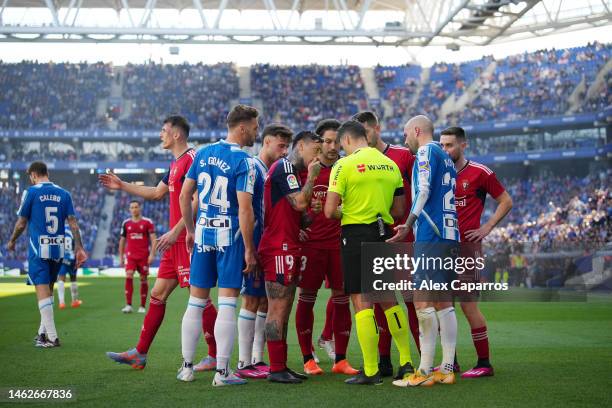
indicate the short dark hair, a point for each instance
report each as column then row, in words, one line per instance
column 180, row 122
column 135, row 201
column 327, row 124
column 354, row 129
column 305, row 134
column 276, row 129
column 456, row 131
column 368, row 117
column 38, row 167
column 240, row 113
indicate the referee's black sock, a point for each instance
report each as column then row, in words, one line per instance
column 385, row 360
column 340, row 357
column 308, row 357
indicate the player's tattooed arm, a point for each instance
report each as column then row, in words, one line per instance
column 76, row 232
column 81, row 254
column 300, row 200
column 20, row 226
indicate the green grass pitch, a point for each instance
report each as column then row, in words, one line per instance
column 556, row 354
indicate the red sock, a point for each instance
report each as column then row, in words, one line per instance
column 413, row 322
column 144, row 290
column 277, row 351
column 304, row 320
column 208, row 328
column 129, row 289
column 153, row 319
column 342, row 323
column 328, row 328
column 384, row 341
column 481, row 342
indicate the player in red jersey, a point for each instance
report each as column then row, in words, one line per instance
column 320, row 261
column 404, row 159
column 279, row 250
column 138, row 235
column 276, row 139
column 474, row 182
column 174, row 265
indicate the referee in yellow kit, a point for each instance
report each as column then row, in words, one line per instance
column 370, row 186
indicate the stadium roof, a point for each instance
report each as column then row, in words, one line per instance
column 452, row 23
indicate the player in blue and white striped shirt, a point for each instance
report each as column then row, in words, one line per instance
column 436, row 232
column 221, row 240
column 68, row 268
column 44, row 210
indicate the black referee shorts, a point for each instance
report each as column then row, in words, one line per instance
column 352, row 237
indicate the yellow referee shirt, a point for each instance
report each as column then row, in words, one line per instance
column 367, row 181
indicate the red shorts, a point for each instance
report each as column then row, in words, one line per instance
column 138, row 265
column 281, row 266
column 175, row 264
column 318, row 265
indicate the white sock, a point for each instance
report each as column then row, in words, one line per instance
column 74, row 291
column 246, row 332
column 191, row 328
column 45, row 307
column 259, row 339
column 448, row 338
column 60, row 290
column 428, row 326
column 225, row 331
column 41, row 328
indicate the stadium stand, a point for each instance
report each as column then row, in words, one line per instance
column 155, row 210
column 200, row 92
column 397, row 85
column 553, row 210
column 317, row 91
column 87, row 200
column 524, row 86
column 51, row 96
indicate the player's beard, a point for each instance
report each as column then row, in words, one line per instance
column 332, row 155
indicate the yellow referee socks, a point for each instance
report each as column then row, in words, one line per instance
column 367, row 334
column 398, row 327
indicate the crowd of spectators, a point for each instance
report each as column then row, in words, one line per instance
column 51, row 96
column 87, row 200
column 537, row 84
column 10, row 200
column 200, row 92
column 157, row 211
column 397, row 85
column 558, row 212
column 300, row 96
column 529, row 85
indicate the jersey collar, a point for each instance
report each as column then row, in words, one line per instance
column 223, row 141
column 184, row 153
column 261, row 162
column 467, row 163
